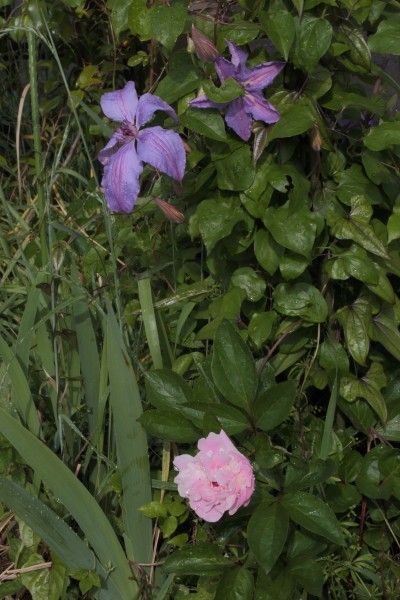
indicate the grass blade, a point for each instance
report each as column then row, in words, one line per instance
column 77, row 499
column 50, row 527
column 88, row 355
column 21, row 393
column 131, row 443
column 330, row 416
column 25, row 332
column 149, row 321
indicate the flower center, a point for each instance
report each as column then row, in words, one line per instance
column 215, row 484
column 128, row 129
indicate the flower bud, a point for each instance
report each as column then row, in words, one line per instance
column 204, row 47
column 171, row 212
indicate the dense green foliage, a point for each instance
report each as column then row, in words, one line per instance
column 271, row 312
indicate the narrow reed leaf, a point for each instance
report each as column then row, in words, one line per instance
column 149, row 321
column 78, row 501
column 88, row 353
column 131, row 444
column 25, row 331
column 21, row 394
column 330, row 416
column 48, row 525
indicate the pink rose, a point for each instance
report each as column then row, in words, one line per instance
column 218, row 479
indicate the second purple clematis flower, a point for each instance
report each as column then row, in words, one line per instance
column 252, row 104
column 130, row 146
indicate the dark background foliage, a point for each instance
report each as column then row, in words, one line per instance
column 271, row 312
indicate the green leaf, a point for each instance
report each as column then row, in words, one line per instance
column 355, row 226
column 308, row 572
column 385, row 331
column 207, row 123
column 293, row 229
column 166, row 22
column 355, row 320
column 387, row 38
column 296, row 118
column 333, row 357
column 119, row 14
column 314, row 515
column 181, row 79
column 239, row 31
column 265, row 250
column 154, row 509
column 229, row 90
column 368, row 388
column 217, row 218
column 166, row 389
column 235, row 171
column 236, row 584
column 46, row 524
column 233, row 367
column 131, row 442
column 274, row 405
column 339, row 99
column 200, row 559
column 314, row 37
column 228, row 418
column 354, row 263
column 279, row 25
column 168, row 425
column 248, row 280
column 267, row 532
column 260, row 326
column 383, row 136
column 78, row 501
column 353, row 183
column 300, row 300
column 393, row 227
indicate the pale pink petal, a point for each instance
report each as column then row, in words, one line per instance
column 120, row 105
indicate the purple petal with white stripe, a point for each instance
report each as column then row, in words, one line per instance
column 260, row 109
column 204, row 102
column 238, row 55
column 120, row 105
column 256, row 79
column 121, row 179
column 224, row 68
column 237, row 118
column 148, row 104
column 163, row 149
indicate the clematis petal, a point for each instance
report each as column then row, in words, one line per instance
column 238, row 119
column 256, row 79
column 260, row 109
column 110, row 148
column 121, row 179
column 120, row 105
column 224, row 68
column 163, row 149
column 204, row 102
column 148, row 104
column 238, row 55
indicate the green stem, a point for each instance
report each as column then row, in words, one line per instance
column 37, row 145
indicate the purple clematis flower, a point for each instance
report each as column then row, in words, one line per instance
column 252, row 105
column 130, row 146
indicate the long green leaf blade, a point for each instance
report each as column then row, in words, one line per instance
column 131, row 443
column 76, row 498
